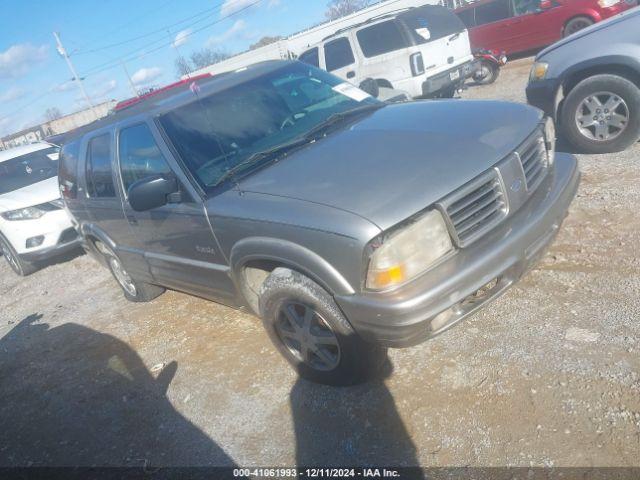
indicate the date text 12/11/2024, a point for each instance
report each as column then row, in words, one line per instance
column 316, row 472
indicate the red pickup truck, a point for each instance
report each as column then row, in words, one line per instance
column 516, row 26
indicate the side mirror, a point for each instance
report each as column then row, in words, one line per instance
column 370, row 86
column 153, row 192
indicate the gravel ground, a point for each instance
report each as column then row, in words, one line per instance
column 547, row 375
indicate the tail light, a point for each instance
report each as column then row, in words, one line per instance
column 417, row 64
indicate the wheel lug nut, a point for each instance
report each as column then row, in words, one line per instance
column 601, row 122
column 609, row 117
column 597, row 110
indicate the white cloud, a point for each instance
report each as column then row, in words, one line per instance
column 273, row 3
column 18, row 59
column 13, row 93
column 182, row 37
column 145, row 76
column 64, row 87
column 236, row 28
column 230, row 7
column 104, row 88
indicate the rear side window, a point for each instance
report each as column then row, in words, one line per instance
column 468, row 18
column 67, row 170
column 381, row 38
column 338, row 54
column 310, row 57
column 492, row 12
column 430, row 23
column 139, row 155
column 99, row 172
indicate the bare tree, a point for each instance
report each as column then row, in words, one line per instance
column 52, row 113
column 207, row 56
column 182, row 66
column 340, row 8
column 267, row 40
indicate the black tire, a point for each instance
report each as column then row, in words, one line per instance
column 134, row 290
column 17, row 264
column 355, row 360
column 576, row 24
column 491, row 75
column 619, row 87
column 448, row 92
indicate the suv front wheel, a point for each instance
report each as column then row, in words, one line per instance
column 601, row 114
column 134, row 290
column 307, row 327
column 17, row 264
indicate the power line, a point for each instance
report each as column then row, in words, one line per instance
column 205, row 13
column 141, row 53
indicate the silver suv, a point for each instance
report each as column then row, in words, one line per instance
column 347, row 224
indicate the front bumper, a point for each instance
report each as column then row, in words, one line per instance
column 443, row 80
column 544, row 95
column 68, row 240
column 56, row 232
column 411, row 314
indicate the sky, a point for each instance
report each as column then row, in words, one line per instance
column 147, row 35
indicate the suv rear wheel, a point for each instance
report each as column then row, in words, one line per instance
column 310, row 331
column 134, row 290
column 17, row 264
column 602, row 114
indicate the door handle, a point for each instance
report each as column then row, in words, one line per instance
column 351, row 74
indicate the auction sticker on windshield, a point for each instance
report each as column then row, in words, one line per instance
column 351, row 91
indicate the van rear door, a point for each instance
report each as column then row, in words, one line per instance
column 441, row 36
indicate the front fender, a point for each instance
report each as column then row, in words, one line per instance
column 292, row 255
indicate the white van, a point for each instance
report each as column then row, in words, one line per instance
column 424, row 51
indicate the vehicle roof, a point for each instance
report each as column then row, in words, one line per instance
column 182, row 95
column 400, row 13
column 22, row 150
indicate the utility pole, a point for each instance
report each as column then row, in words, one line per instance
column 133, row 87
column 63, row 54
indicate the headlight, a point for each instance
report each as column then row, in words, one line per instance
column 607, row 3
column 408, row 252
column 29, row 213
column 538, row 71
column 550, row 139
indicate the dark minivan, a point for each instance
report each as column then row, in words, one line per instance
column 347, row 224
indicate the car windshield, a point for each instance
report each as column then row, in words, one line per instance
column 28, row 169
column 218, row 133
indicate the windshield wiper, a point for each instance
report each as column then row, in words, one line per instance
column 271, row 153
column 307, row 137
column 338, row 117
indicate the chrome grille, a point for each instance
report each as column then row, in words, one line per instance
column 533, row 156
column 475, row 208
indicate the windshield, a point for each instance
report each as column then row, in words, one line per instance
column 28, row 169
column 218, row 132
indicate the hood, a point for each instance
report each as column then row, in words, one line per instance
column 35, row 194
column 399, row 159
column 596, row 27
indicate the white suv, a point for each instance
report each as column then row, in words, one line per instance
column 423, row 51
column 33, row 223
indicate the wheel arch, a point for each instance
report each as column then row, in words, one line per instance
column 622, row 66
column 252, row 260
column 383, row 82
column 591, row 15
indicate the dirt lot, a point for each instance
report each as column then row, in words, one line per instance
column 545, row 376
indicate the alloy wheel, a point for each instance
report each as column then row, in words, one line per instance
column 308, row 336
column 8, row 254
column 122, row 276
column 602, row 116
